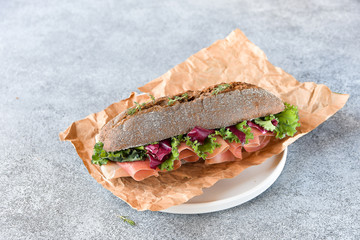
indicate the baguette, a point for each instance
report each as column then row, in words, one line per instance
column 158, row 120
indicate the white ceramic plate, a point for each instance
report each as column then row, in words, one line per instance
column 228, row 193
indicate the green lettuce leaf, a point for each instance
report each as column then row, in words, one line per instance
column 202, row 149
column 226, row 134
column 245, row 129
column 288, row 121
column 102, row 157
column 169, row 163
column 266, row 123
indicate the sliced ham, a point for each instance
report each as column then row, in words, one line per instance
column 256, row 132
column 177, row 164
column 193, row 158
column 227, row 152
column 183, row 146
column 226, row 156
column 264, row 140
column 186, row 153
column 223, row 148
column 235, row 148
column 139, row 170
column 112, row 170
column 188, row 156
column 260, row 140
column 255, row 142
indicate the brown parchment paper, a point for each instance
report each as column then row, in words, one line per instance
column 234, row 58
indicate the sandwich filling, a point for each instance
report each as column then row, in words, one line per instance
column 165, row 155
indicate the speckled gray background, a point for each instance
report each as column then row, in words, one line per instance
column 67, row 59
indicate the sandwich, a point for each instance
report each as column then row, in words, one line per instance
column 224, row 122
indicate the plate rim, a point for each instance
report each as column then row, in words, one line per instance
column 233, row 201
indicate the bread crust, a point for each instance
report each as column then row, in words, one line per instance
column 157, row 120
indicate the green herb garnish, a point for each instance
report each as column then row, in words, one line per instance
column 177, row 98
column 220, row 88
column 131, row 111
column 127, row 220
column 137, row 107
column 152, row 98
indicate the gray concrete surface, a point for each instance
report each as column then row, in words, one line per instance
column 62, row 60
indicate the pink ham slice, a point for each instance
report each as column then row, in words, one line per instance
column 226, row 156
column 177, row 164
column 227, row 152
column 112, row 170
column 186, row 153
column 188, row 156
column 223, row 148
column 255, row 142
column 258, row 133
column 138, row 170
column 260, row 140
column 236, row 149
column 264, row 140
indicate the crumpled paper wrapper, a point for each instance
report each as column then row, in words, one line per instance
column 234, row 58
